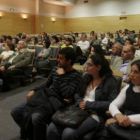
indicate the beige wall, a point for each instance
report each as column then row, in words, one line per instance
column 51, row 27
column 39, row 19
column 46, row 12
column 47, row 9
column 102, row 24
column 13, row 23
column 95, row 8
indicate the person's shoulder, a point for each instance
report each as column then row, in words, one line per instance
column 24, row 51
column 117, row 59
column 71, row 46
column 11, row 51
column 63, row 46
column 74, row 71
column 87, row 41
column 136, row 58
column 75, row 74
column 110, row 79
column 4, row 52
column 79, row 41
column 55, row 68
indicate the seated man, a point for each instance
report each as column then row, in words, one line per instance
column 82, row 49
column 83, row 43
column 123, row 63
column 116, row 51
column 43, row 101
column 104, row 41
column 14, row 65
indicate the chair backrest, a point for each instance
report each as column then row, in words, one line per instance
column 38, row 50
column 2, row 50
column 118, row 76
column 79, row 68
column 30, row 46
column 119, row 82
column 117, row 73
column 108, row 58
column 54, row 52
column 32, row 51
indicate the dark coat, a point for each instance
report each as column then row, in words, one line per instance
column 46, row 102
column 105, row 93
column 48, row 97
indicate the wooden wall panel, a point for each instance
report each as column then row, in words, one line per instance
column 102, row 24
column 13, row 23
column 45, row 24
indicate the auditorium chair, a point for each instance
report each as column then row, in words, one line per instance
column 52, row 61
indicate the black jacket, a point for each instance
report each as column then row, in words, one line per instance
column 105, row 93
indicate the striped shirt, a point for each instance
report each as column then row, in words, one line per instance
column 65, row 84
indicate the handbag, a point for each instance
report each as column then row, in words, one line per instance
column 70, row 116
column 125, row 133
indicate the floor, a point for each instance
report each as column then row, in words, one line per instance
column 8, row 129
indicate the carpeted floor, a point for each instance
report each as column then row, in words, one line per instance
column 8, row 129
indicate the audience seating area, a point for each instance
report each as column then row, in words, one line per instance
column 34, row 48
column 75, row 37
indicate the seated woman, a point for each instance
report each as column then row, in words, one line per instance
column 95, row 49
column 68, row 43
column 9, row 50
column 96, row 91
column 15, row 41
column 54, row 42
column 129, row 99
column 94, row 40
column 34, row 41
column 42, row 59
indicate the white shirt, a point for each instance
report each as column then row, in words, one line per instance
column 137, row 53
column 119, row 101
column 42, row 52
column 123, row 68
column 84, row 45
column 104, row 43
column 11, row 59
column 6, row 54
column 90, row 96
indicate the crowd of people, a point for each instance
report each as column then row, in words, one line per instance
column 95, row 90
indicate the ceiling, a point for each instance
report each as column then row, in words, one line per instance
column 61, row 2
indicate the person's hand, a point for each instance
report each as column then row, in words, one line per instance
column 30, row 94
column 111, row 120
column 11, row 67
column 2, row 68
column 82, row 105
column 60, row 71
column 127, row 79
column 123, row 120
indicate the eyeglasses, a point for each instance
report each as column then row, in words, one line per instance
column 89, row 64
